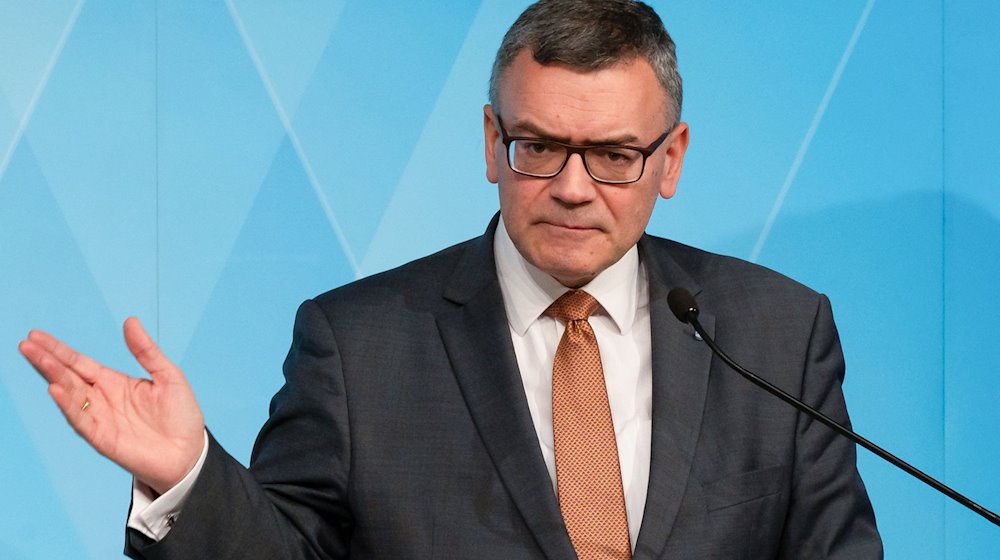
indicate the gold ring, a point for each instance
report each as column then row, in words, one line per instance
column 86, row 405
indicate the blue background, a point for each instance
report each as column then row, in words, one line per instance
column 208, row 165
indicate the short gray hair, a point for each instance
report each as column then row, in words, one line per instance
column 592, row 35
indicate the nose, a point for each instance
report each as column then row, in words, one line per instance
column 573, row 185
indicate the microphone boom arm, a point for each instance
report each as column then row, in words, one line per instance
column 685, row 308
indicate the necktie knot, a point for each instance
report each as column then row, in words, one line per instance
column 574, row 305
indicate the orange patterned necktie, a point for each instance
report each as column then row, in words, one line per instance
column 588, row 475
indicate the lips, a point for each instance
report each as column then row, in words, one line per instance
column 569, row 226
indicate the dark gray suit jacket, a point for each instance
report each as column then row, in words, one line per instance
column 402, row 430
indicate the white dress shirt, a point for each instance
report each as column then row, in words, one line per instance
column 621, row 325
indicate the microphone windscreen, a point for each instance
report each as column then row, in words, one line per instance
column 683, row 304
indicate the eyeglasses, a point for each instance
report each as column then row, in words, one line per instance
column 613, row 164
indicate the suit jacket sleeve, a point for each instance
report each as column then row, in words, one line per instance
column 292, row 502
column 829, row 513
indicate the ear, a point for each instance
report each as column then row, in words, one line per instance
column 491, row 135
column 676, row 146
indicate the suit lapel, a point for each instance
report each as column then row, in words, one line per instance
column 477, row 338
column 680, row 382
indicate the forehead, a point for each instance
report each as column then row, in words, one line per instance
column 625, row 98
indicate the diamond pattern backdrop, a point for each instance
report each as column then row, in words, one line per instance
column 208, row 165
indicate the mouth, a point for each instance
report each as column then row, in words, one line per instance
column 569, row 226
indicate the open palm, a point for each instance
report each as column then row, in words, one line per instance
column 152, row 428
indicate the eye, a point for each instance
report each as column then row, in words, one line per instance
column 534, row 147
column 616, row 156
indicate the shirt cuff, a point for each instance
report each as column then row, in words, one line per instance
column 154, row 516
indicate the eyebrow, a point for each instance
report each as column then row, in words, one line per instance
column 518, row 127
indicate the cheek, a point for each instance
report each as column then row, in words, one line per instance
column 631, row 212
column 508, row 200
column 514, row 207
column 520, row 196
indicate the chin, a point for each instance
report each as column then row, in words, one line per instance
column 562, row 260
column 570, row 275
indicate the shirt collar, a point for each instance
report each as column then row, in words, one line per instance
column 528, row 291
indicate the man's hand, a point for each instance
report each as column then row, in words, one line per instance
column 153, row 428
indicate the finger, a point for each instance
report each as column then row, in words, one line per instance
column 83, row 409
column 84, row 366
column 51, row 368
column 67, row 390
column 73, row 403
column 44, row 362
column 146, row 351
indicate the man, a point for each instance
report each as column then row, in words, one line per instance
column 425, row 410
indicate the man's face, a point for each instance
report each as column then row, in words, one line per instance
column 571, row 226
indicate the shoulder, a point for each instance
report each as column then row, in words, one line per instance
column 416, row 285
column 728, row 286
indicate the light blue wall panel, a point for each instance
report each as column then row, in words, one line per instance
column 77, row 250
column 208, row 165
column 972, row 273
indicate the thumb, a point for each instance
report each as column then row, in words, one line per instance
column 146, row 351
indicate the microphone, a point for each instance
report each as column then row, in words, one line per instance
column 685, row 308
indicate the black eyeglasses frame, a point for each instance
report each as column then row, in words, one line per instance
column 581, row 149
